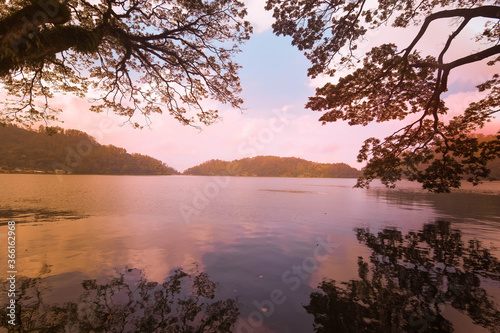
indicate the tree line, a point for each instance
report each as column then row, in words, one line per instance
column 70, row 151
column 273, row 166
column 493, row 166
column 79, row 153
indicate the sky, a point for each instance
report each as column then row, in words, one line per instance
column 274, row 120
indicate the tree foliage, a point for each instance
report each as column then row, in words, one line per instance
column 133, row 56
column 273, row 166
column 396, row 84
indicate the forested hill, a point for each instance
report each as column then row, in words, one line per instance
column 494, row 165
column 272, row 166
column 70, row 151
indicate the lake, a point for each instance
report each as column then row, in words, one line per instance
column 235, row 254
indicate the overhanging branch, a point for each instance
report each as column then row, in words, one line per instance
column 462, row 61
column 467, row 13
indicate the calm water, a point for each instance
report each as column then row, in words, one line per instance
column 133, row 253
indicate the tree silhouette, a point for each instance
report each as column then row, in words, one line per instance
column 130, row 56
column 407, row 282
column 396, row 84
column 127, row 303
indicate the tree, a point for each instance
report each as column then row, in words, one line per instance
column 136, row 56
column 397, row 84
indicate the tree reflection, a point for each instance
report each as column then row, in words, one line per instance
column 127, row 303
column 407, row 283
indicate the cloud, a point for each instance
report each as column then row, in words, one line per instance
column 260, row 18
column 458, row 102
column 285, row 131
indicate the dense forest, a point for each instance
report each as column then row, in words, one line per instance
column 70, row 151
column 494, row 165
column 272, row 166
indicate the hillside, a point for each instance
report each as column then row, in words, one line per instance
column 272, row 166
column 70, row 151
column 494, row 165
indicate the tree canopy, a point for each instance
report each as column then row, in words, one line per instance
column 132, row 56
column 392, row 83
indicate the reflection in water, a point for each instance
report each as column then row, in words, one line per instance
column 409, row 283
column 126, row 303
column 480, row 206
column 37, row 215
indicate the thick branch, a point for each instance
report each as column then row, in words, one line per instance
column 474, row 57
column 27, row 20
column 47, row 44
column 466, row 13
column 462, row 61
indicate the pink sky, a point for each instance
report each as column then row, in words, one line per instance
column 275, row 121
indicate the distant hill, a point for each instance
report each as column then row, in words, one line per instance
column 495, row 169
column 494, row 165
column 70, row 151
column 273, row 166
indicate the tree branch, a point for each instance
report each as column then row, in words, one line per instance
column 466, row 13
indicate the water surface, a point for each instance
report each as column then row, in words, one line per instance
column 254, row 254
